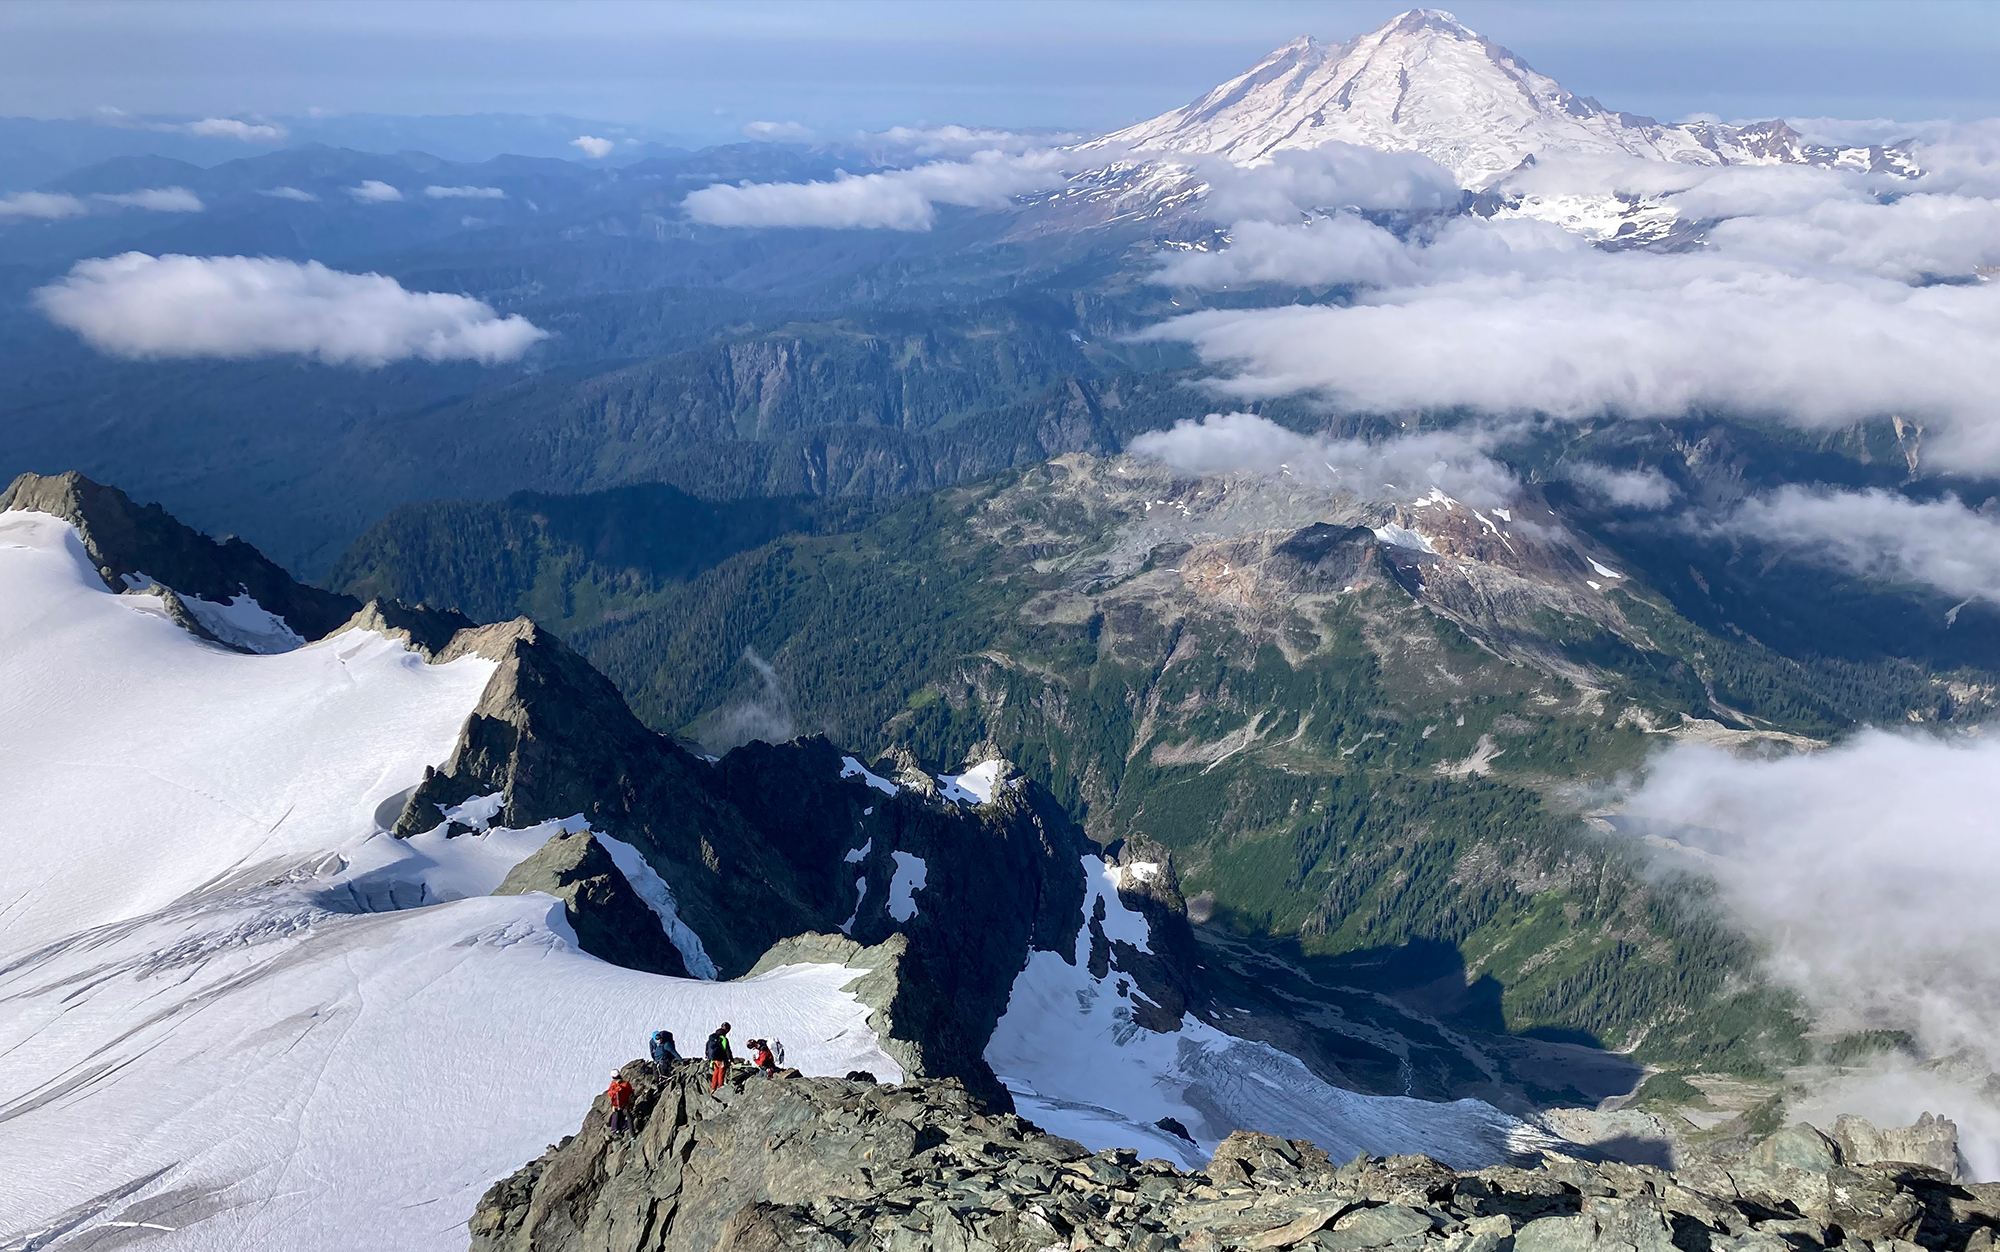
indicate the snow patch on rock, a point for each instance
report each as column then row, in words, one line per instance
column 659, row 897
column 908, row 880
column 851, row 768
column 977, row 785
column 1403, row 537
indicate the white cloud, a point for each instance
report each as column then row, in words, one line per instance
column 143, row 306
column 592, row 147
column 1879, row 534
column 776, row 132
column 42, row 204
column 374, row 191
column 959, row 140
column 465, row 193
column 1631, row 489
column 1332, row 176
column 159, row 199
column 1871, row 870
column 1911, row 237
column 230, row 128
column 900, row 200
column 1635, row 335
column 1456, row 461
column 1345, row 249
column 288, row 193
column 1811, row 301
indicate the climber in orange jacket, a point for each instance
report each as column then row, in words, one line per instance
column 620, row 1095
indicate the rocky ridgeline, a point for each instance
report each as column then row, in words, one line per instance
column 827, row 1165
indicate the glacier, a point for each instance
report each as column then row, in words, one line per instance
column 238, row 1014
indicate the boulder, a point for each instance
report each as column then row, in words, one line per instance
column 1932, row 1142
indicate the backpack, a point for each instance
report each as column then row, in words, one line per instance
column 718, row 1047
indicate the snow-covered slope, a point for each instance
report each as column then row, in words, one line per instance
column 209, row 1040
column 1424, row 82
column 1080, row 1064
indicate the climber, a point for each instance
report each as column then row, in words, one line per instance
column 620, row 1095
column 760, row 1053
column 717, row 1052
column 664, row 1052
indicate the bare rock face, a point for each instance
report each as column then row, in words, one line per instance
column 556, row 738
column 823, row 1165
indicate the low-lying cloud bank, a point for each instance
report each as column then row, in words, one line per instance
column 1818, row 297
column 150, row 307
column 1333, row 176
column 374, row 191
column 465, row 193
column 226, row 128
column 1635, row 337
column 50, row 205
column 898, row 200
column 1878, row 534
column 1871, row 870
column 45, row 205
column 158, row 199
column 1454, row 461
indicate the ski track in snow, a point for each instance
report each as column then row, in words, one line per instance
column 237, row 1013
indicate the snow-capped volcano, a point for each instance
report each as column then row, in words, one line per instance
column 1424, row 82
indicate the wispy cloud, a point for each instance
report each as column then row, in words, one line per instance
column 899, row 200
column 778, row 132
column 143, row 306
column 465, row 193
column 374, row 191
column 289, row 193
column 1629, row 489
column 1634, row 336
column 1332, row 176
column 1455, row 461
column 592, row 146
column 41, row 204
column 1878, row 534
column 159, row 199
column 229, row 128
column 1815, row 301
column 1870, row 869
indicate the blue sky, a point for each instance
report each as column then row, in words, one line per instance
column 703, row 69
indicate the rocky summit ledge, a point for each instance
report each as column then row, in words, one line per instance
column 827, row 1165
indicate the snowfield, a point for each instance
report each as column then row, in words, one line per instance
column 1079, row 1065
column 235, row 1014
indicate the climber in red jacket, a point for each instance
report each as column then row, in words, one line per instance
column 620, row 1095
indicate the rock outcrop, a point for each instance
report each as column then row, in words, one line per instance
column 126, row 542
column 827, row 1165
column 555, row 738
column 610, row 920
